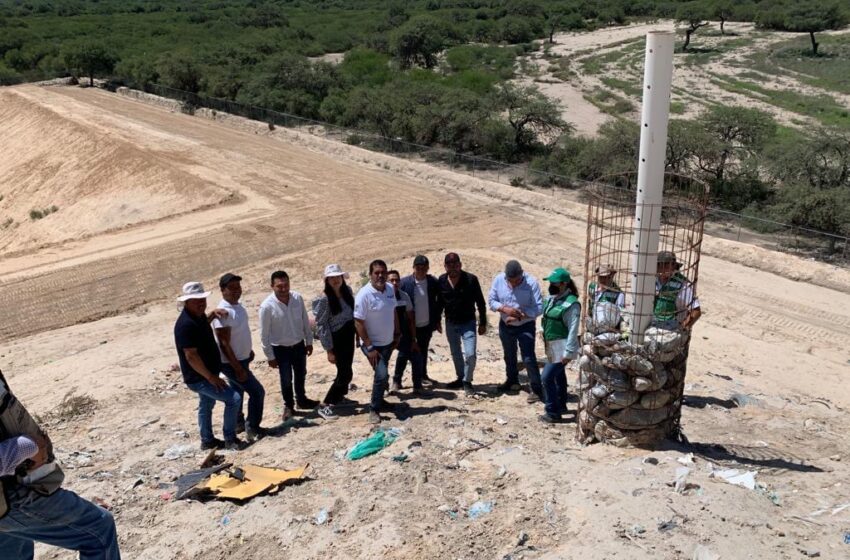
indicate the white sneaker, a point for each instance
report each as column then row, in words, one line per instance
column 327, row 412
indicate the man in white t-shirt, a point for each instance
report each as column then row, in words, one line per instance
column 233, row 335
column 377, row 326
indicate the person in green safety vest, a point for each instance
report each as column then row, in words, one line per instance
column 604, row 289
column 561, row 319
column 676, row 305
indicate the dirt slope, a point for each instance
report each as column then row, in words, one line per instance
column 96, row 179
column 301, row 205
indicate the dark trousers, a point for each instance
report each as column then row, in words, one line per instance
column 343, row 340
column 292, row 366
column 554, row 380
column 418, row 360
column 522, row 336
column 252, row 386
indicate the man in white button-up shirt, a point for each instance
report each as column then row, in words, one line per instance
column 287, row 341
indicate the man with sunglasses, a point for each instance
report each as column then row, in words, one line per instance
column 377, row 326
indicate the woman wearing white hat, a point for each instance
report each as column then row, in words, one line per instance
column 334, row 312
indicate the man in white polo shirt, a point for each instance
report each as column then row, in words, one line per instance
column 377, row 326
column 234, row 342
column 287, row 341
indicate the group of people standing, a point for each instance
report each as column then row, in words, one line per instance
column 390, row 314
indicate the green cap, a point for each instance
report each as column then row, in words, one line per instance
column 559, row 275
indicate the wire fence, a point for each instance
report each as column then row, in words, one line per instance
column 721, row 223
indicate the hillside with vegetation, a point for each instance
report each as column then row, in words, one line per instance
column 466, row 76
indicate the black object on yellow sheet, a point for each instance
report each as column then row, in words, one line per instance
column 243, row 483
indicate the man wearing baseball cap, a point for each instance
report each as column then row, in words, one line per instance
column 200, row 363
column 516, row 296
column 234, row 341
column 676, row 304
column 424, row 292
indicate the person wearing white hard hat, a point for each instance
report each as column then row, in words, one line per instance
column 334, row 313
column 200, row 363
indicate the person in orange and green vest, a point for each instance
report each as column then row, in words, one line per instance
column 676, row 304
column 561, row 319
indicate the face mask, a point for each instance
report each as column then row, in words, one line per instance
column 554, row 289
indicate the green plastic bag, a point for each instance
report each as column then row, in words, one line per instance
column 372, row 444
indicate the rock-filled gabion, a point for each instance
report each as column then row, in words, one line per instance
column 631, row 395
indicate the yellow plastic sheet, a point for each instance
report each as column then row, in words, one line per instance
column 257, row 480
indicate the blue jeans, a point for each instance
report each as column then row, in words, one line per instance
column 292, row 366
column 522, row 336
column 382, row 374
column 62, row 519
column 554, row 380
column 253, row 387
column 462, row 339
column 207, row 395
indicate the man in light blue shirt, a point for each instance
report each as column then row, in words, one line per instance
column 516, row 296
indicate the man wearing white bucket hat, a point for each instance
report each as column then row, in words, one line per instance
column 334, row 313
column 200, row 363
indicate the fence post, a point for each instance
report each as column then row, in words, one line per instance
column 740, row 224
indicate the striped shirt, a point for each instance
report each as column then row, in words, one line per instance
column 14, row 451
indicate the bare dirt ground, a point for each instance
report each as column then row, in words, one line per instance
column 301, row 202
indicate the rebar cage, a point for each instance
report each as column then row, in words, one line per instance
column 611, row 243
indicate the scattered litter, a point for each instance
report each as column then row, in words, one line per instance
column 636, row 530
column 372, row 444
column 187, row 482
column 667, row 525
column 501, row 421
column 650, row 461
column 165, row 496
column 810, row 552
column 137, row 482
column 414, row 444
column 501, row 472
column 479, row 509
column 522, row 539
column 150, row 421
column 177, row 451
column 225, row 521
column 734, row 476
column 681, row 479
column 322, row 517
column 686, row 459
column 704, row 553
column 847, row 538
column 741, row 400
column 401, row 458
column 448, row 510
column 835, row 510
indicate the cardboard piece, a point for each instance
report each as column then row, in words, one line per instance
column 252, row 480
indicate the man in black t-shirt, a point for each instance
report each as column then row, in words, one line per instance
column 460, row 293
column 200, row 363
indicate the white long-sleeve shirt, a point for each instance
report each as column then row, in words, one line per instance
column 284, row 324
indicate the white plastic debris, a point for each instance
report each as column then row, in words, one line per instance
column 746, row 479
